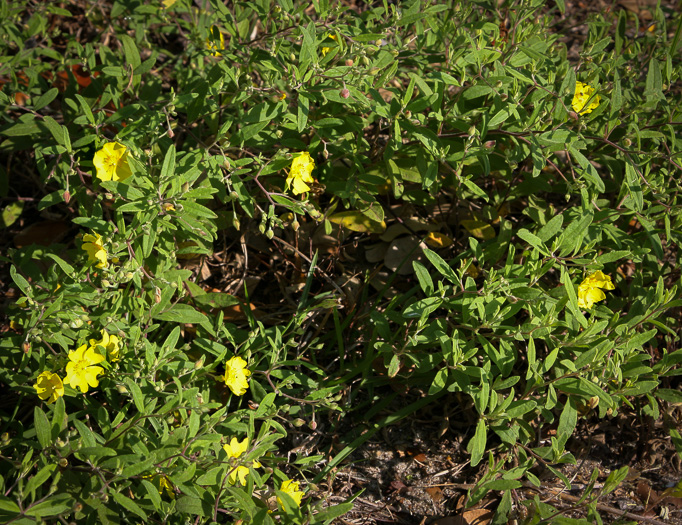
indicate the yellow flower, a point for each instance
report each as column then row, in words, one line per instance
column 583, row 92
column 589, row 291
column 81, row 372
column 215, row 42
column 49, row 387
column 111, row 162
column 300, row 173
column 110, row 343
column 234, row 450
column 236, row 375
column 291, row 488
column 94, row 246
column 326, row 50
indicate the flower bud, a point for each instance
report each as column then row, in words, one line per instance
column 63, row 462
column 76, row 323
column 67, row 196
column 472, row 131
column 4, row 438
column 295, row 225
column 627, row 142
column 349, row 62
column 364, row 61
column 345, row 93
column 270, row 234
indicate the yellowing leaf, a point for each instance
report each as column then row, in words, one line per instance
column 437, row 240
column 11, row 213
column 358, row 222
column 479, row 229
column 168, row 3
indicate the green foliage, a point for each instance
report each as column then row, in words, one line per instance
column 422, row 119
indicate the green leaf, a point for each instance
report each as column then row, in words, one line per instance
column 476, row 446
column 533, row 240
column 182, row 313
column 550, row 229
column 216, row 300
column 424, row 278
column 135, row 391
column 303, row 111
column 589, row 171
column 42, row 425
column 20, row 282
column 129, row 504
column 168, row 168
column 130, row 50
column 59, row 419
column 86, row 109
column 45, row 98
column 572, row 297
column 192, row 505
column 86, row 434
column 614, row 479
column 41, row 477
column 8, row 506
column 567, row 423
column 153, row 493
column 50, row 507
column 442, row 267
column 66, row 267
column 669, row 395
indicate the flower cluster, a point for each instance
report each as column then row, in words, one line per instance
column 237, row 376
column 583, row 94
column 590, row 290
column 111, row 162
column 82, row 370
column 234, row 450
column 300, row 173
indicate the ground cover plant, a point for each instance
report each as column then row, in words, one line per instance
column 242, row 239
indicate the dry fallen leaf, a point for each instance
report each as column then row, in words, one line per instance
column 402, row 252
column 436, row 493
